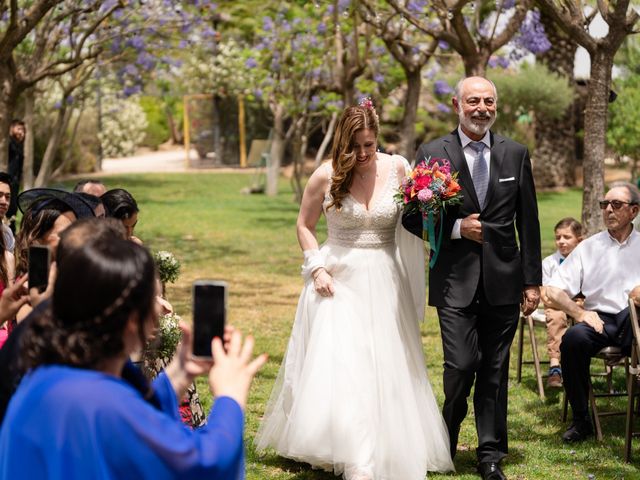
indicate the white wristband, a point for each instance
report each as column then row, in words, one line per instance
column 313, row 260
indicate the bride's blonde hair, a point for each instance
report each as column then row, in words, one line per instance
column 352, row 120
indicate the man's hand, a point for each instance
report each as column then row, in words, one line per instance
column 471, row 228
column 593, row 320
column 530, row 299
column 635, row 295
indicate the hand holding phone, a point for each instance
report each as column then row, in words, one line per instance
column 209, row 315
column 39, row 262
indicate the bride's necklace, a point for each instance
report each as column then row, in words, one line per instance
column 364, row 176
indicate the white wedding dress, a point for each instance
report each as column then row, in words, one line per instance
column 352, row 394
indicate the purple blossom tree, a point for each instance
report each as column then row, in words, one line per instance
column 574, row 19
column 474, row 33
column 412, row 49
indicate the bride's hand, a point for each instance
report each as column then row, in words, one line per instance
column 323, row 282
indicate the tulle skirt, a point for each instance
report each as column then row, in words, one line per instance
column 352, row 394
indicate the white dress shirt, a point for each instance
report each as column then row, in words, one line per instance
column 470, row 156
column 550, row 265
column 604, row 270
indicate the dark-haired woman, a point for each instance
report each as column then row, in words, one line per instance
column 41, row 224
column 352, row 394
column 74, row 416
column 120, row 204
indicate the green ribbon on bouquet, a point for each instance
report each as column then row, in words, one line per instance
column 429, row 226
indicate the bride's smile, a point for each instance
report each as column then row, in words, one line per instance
column 364, row 147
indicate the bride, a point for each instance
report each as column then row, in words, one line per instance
column 352, row 395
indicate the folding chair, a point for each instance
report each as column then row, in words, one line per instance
column 536, row 319
column 612, row 357
column 633, row 377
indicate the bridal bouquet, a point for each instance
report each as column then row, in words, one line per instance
column 429, row 189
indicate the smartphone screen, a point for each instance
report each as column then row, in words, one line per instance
column 38, row 267
column 209, row 313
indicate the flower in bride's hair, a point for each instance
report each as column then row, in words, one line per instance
column 366, row 102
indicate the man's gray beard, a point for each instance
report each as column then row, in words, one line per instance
column 474, row 127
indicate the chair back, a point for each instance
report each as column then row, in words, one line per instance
column 635, row 326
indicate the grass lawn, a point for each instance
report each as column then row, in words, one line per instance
column 250, row 242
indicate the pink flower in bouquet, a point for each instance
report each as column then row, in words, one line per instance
column 425, row 195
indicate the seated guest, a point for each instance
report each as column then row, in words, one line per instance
column 92, row 187
column 568, row 233
column 47, row 212
column 102, row 309
column 120, row 204
column 605, row 268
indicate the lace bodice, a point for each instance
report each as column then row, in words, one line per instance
column 355, row 226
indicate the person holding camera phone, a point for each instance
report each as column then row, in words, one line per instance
column 103, row 308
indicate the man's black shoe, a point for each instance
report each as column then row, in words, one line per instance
column 578, row 431
column 490, row 471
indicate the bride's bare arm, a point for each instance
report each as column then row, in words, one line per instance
column 311, row 209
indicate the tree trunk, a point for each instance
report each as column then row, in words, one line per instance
column 475, row 65
column 299, row 144
column 277, row 151
column 326, row 139
column 555, row 152
column 176, row 136
column 29, row 144
column 62, row 121
column 216, row 118
column 7, row 109
column 595, row 119
column 408, row 124
column 67, row 158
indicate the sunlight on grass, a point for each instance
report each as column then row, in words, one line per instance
column 249, row 241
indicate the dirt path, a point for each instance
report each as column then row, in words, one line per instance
column 173, row 160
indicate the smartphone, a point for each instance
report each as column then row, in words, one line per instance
column 39, row 261
column 209, row 315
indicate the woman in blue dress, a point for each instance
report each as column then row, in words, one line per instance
column 75, row 416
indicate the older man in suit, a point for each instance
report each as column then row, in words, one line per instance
column 482, row 278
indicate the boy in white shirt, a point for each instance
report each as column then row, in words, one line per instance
column 568, row 233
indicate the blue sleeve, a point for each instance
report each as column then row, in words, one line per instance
column 153, row 444
column 167, row 395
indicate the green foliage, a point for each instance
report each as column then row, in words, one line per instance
column 623, row 132
column 523, row 94
column 157, row 130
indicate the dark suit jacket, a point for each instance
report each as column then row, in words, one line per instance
column 510, row 205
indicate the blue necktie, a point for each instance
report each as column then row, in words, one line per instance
column 480, row 172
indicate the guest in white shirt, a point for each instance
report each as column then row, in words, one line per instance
column 605, row 268
column 568, row 234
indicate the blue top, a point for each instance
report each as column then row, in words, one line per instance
column 72, row 423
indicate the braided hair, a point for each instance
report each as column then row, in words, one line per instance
column 97, row 289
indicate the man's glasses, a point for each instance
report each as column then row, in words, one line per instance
column 615, row 204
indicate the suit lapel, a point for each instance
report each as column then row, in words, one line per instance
column 498, row 151
column 453, row 148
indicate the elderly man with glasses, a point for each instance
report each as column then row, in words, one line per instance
column 605, row 268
